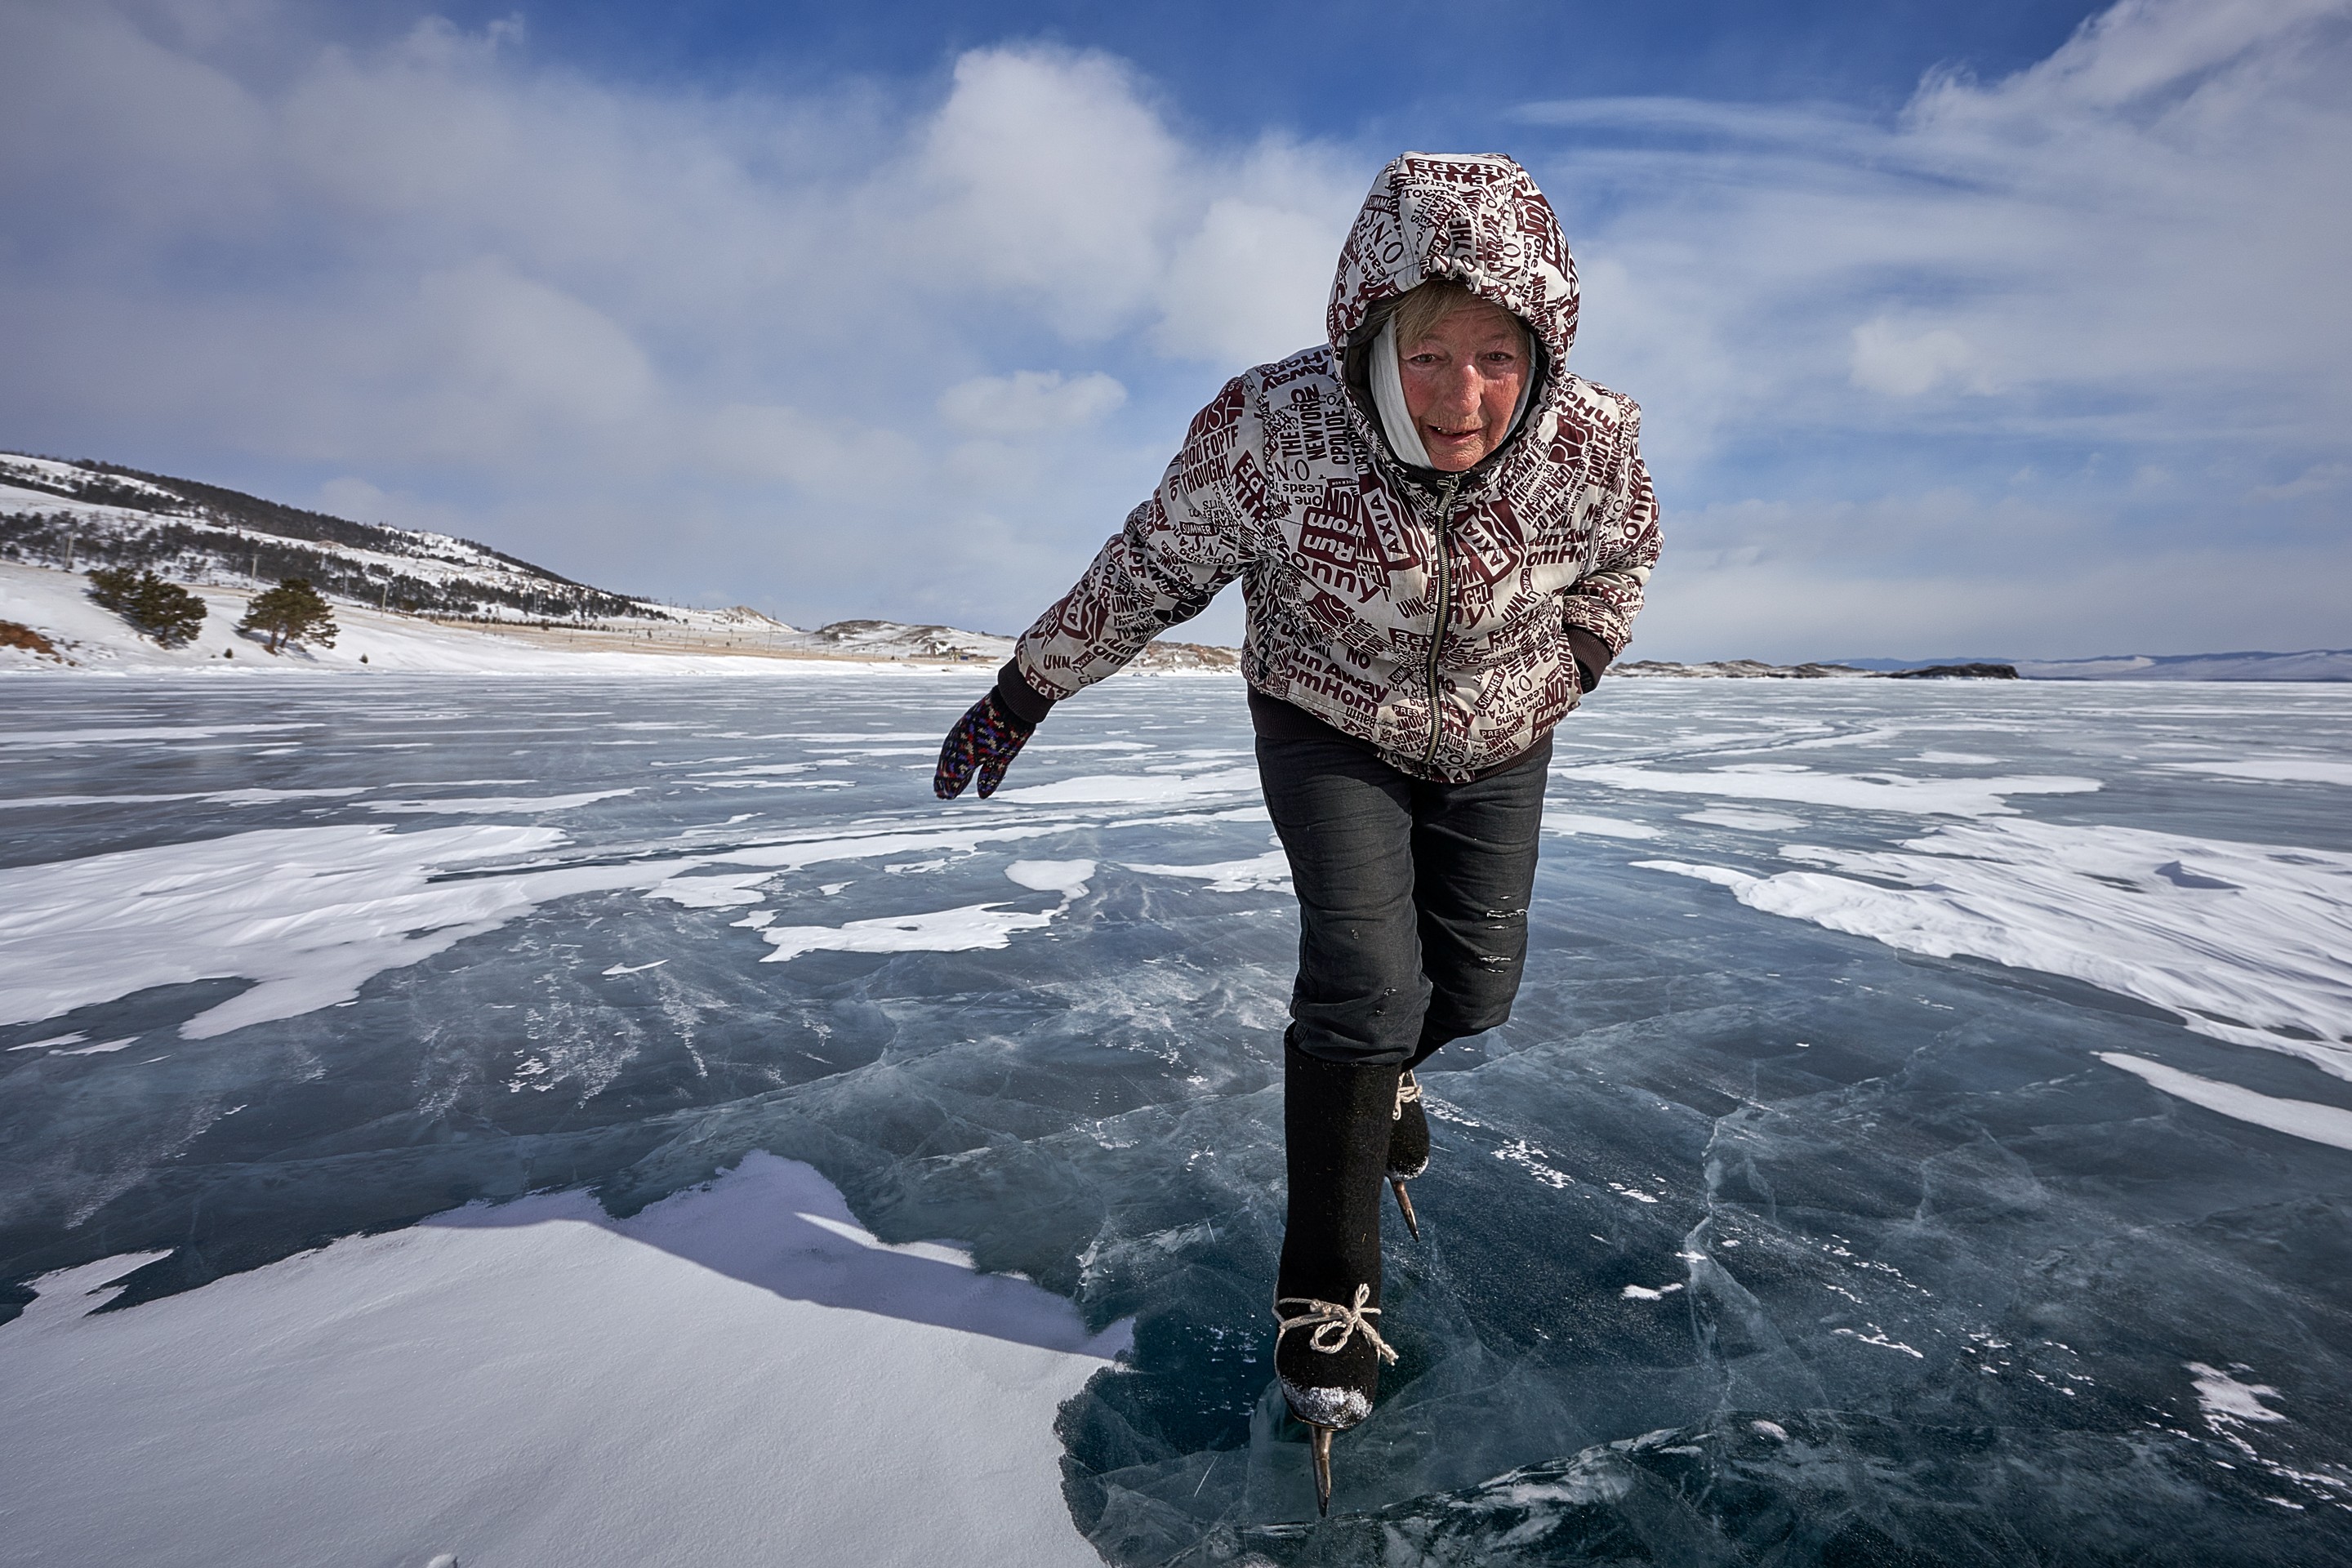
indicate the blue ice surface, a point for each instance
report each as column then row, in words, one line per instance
column 1746, row 1240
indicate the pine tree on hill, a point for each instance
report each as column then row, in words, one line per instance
column 161, row 609
column 292, row 612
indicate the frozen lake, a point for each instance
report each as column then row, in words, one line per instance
column 1925, row 1136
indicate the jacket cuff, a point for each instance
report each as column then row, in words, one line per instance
column 1593, row 656
column 1021, row 699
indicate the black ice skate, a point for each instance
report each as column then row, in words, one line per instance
column 1337, row 1121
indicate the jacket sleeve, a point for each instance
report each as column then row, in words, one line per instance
column 1598, row 609
column 1176, row 551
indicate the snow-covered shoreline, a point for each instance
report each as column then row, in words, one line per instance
column 91, row 640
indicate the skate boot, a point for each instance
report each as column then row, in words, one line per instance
column 1336, row 1122
column 1408, row 1145
column 1408, row 1134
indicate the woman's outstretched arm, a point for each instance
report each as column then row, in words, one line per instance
column 1174, row 553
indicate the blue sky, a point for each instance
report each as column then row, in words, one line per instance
column 2008, row 329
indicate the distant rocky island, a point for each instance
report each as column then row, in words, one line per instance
column 1754, row 669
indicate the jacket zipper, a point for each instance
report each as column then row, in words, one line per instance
column 1437, row 630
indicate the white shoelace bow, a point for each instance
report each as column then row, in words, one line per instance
column 1408, row 1090
column 1334, row 1325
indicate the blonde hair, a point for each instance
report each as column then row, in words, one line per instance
column 1419, row 309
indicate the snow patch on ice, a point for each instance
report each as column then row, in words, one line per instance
column 494, row 806
column 1269, row 872
column 1721, row 876
column 73, row 1039
column 764, row 770
column 150, row 732
column 2242, row 941
column 1577, row 822
column 731, row 891
column 210, row 798
column 1132, row 789
column 2226, row 1402
column 962, row 930
column 791, row 853
column 1748, row 821
column 1856, row 791
column 103, row 1048
column 2272, row 770
column 2327, row 1124
column 310, row 914
column 1878, row 1336
column 1067, row 878
column 1528, row 1158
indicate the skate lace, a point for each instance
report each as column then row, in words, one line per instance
column 1334, row 1325
column 1408, row 1090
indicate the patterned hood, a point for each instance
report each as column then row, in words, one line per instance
column 1476, row 218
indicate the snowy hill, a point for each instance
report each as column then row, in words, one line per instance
column 49, row 625
column 58, row 517
column 75, row 516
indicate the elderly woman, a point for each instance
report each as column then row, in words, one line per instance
column 1442, row 538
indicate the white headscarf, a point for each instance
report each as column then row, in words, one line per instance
column 1388, row 397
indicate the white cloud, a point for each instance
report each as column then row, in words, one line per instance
column 1030, row 403
column 348, row 495
column 2320, row 478
column 652, row 335
column 1053, row 180
column 839, row 458
column 503, row 355
column 2135, row 238
column 2044, row 290
column 1906, row 364
column 628, row 324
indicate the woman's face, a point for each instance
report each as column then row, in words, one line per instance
column 1462, row 381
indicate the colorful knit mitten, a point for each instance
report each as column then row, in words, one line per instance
column 984, row 740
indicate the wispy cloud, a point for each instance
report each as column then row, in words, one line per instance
column 914, row 348
column 835, row 346
column 2037, row 291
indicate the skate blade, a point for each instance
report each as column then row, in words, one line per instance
column 1318, row 1442
column 1412, row 1222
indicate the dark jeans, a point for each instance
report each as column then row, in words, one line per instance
column 1413, row 897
